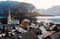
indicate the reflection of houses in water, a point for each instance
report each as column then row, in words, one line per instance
column 11, row 20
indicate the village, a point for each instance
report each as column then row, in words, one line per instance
column 26, row 29
column 22, row 20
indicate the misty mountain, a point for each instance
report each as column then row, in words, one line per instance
column 15, row 7
column 55, row 10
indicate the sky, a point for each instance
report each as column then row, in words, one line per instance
column 41, row 4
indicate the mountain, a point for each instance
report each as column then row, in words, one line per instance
column 15, row 7
column 55, row 10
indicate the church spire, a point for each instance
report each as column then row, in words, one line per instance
column 9, row 17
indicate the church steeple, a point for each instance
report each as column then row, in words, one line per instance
column 9, row 17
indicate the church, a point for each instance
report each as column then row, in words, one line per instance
column 12, row 21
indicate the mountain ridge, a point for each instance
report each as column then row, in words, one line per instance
column 55, row 10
